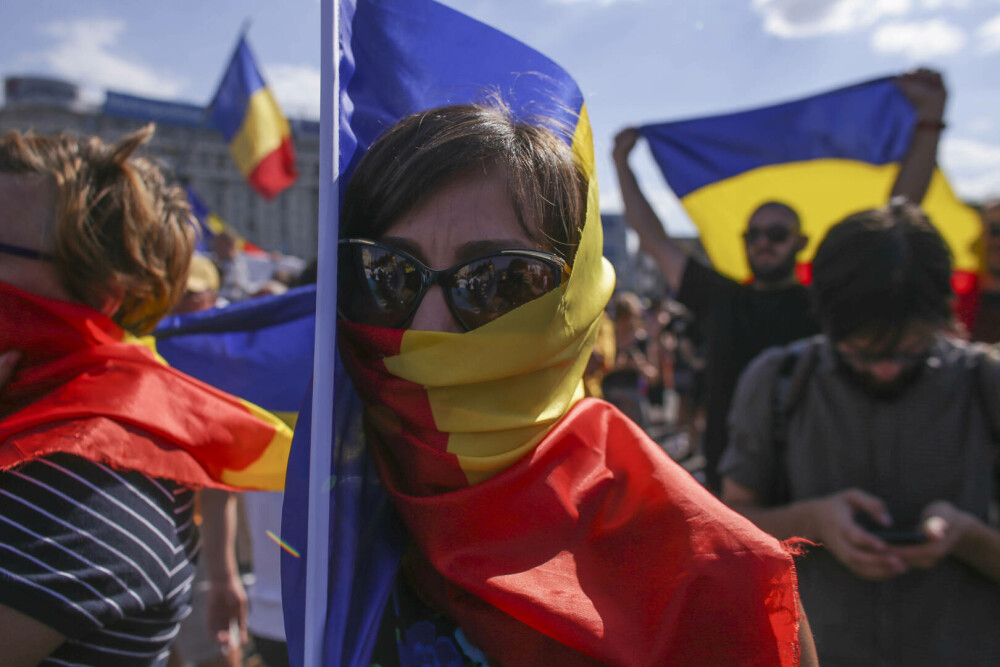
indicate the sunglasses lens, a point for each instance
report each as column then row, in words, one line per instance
column 487, row 288
column 777, row 234
column 773, row 234
column 376, row 286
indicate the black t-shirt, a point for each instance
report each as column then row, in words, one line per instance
column 738, row 322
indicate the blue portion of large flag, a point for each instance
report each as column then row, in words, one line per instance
column 397, row 58
column 869, row 122
column 259, row 350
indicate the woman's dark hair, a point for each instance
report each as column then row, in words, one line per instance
column 424, row 151
column 878, row 271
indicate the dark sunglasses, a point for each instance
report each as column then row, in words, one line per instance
column 28, row 253
column 775, row 234
column 993, row 229
column 382, row 286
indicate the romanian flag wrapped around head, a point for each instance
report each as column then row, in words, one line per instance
column 247, row 115
column 826, row 156
column 546, row 525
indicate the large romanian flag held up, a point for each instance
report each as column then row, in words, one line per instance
column 535, row 518
column 827, row 156
column 247, row 115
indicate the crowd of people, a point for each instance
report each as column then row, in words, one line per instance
column 838, row 502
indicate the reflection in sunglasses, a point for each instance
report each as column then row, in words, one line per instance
column 477, row 291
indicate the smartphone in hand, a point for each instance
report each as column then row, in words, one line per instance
column 891, row 534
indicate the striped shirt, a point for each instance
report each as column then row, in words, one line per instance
column 102, row 556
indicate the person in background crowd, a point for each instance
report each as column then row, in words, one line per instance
column 635, row 368
column 740, row 321
column 202, row 291
column 979, row 310
column 233, row 268
column 602, row 359
column 214, row 633
column 877, row 441
column 96, row 519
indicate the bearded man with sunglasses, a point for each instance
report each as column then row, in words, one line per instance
column 876, row 440
column 741, row 321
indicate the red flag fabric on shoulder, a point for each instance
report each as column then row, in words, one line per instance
column 83, row 388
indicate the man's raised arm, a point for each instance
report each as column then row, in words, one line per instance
column 669, row 256
column 926, row 92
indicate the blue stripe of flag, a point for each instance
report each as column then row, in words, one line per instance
column 869, row 122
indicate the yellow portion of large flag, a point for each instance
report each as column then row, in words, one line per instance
column 823, row 192
column 497, row 390
column 263, row 129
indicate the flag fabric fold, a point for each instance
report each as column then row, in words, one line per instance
column 827, row 156
column 260, row 350
column 86, row 387
column 258, row 134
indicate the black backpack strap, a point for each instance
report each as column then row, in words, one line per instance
column 789, row 385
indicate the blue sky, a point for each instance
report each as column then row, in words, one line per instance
column 636, row 60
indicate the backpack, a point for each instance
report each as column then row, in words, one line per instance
column 794, row 372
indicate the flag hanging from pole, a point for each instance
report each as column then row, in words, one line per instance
column 247, row 115
column 827, row 156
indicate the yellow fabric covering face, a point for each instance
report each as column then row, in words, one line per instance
column 496, row 390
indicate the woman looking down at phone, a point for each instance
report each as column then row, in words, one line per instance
column 545, row 528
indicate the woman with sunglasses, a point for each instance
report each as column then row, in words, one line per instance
column 545, row 528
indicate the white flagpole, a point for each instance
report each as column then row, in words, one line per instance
column 321, row 442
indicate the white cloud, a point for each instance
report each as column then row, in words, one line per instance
column 296, row 87
column 918, row 39
column 973, row 167
column 807, row 18
column 970, row 154
column 85, row 53
column 944, row 4
column 602, row 3
column 989, row 35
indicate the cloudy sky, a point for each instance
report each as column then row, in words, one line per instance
column 636, row 60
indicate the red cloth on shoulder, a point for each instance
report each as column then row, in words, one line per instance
column 80, row 389
column 598, row 549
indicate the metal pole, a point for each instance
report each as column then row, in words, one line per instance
column 321, row 441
